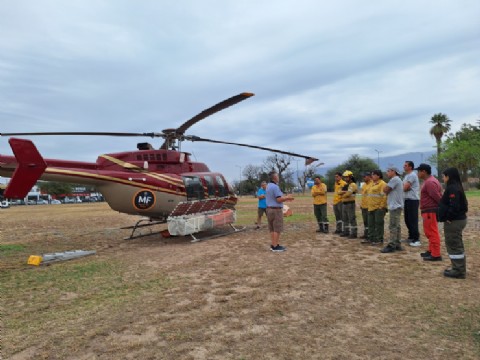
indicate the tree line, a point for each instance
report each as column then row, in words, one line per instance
column 460, row 149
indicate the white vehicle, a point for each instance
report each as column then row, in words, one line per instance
column 55, row 202
column 4, row 204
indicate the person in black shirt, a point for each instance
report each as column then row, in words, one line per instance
column 453, row 212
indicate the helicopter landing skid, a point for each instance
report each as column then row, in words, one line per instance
column 139, row 224
column 212, row 236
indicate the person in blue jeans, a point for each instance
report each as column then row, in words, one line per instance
column 262, row 203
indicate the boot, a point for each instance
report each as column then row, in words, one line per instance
column 345, row 233
column 320, row 228
column 365, row 233
column 353, row 232
column 325, row 228
column 338, row 229
column 458, row 270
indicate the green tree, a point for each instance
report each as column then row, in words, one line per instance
column 55, row 188
column 441, row 126
column 356, row 164
column 462, row 150
column 253, row 176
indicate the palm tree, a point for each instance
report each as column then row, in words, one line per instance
column 441, row 126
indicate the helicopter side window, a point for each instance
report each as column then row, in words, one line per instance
column 221, row 186
column 193, row 187
column 210, row 185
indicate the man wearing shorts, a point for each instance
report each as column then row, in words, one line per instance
column 275, row 200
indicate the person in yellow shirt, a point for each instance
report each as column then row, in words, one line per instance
column 319, row 194
column 377, row 208
column 348, row 192
column 337, row 202
column 367, row 182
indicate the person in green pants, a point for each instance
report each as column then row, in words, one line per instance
column 453, row 212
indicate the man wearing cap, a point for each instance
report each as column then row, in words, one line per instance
column 430, row 196
column 411, row 195
column 349, row 218
column 394, row 191
column 367, row 182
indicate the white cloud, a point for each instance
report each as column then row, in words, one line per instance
column 330, row 79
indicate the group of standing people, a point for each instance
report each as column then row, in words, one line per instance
column 378, row 198
column 395, row 197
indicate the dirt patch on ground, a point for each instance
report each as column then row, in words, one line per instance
column 229, row 297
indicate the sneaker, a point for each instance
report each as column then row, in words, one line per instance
column 278, row 248
column 416, row 243
column 426, row 254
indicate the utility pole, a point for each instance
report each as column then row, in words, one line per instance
column 378, row 158
column 239, row 181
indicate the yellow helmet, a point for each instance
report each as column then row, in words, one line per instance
column 347, row 173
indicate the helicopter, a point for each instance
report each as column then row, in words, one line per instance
column 161, row 185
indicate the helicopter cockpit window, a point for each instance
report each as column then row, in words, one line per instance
column 193, row 187
column 210, row 185
column 221, row 186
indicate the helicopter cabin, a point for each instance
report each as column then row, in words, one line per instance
column 201, row 186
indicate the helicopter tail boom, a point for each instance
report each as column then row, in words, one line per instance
column 30, row 166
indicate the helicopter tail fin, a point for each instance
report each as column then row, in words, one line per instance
column 30, row 166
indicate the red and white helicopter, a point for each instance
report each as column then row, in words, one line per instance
column 163, row 186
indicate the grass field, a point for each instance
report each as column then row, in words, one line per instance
column 229, row 297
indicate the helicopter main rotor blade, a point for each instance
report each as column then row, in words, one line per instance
column 205, row 113
column 308, row 159
column 152, row 134
column 212, row 110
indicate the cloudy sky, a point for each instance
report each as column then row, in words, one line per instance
column 330, row 79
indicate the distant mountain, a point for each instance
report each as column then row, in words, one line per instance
column 397, row 161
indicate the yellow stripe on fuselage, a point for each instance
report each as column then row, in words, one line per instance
column 127, row 165
column 113, row 179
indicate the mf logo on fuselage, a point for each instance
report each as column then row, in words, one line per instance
column 144, row 199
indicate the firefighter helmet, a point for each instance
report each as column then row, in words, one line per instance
column 347, row 173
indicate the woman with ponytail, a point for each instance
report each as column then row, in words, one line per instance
column 453, row 212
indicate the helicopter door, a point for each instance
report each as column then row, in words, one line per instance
column 193, row 187
column 222, row 191
column 210, row 185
